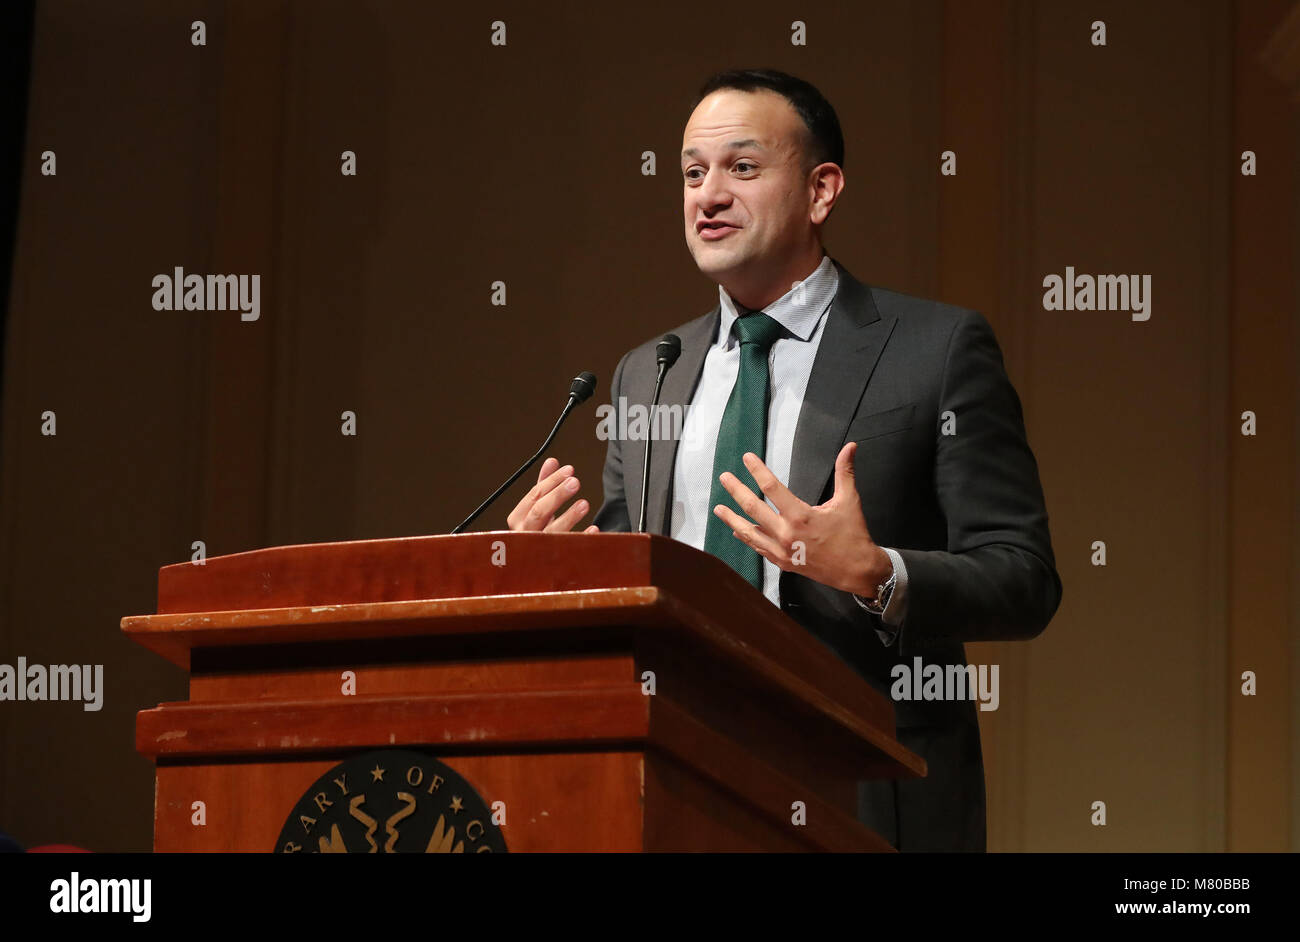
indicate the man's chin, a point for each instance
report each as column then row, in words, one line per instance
column 716, row 262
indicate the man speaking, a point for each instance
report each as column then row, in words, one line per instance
column 857, row 454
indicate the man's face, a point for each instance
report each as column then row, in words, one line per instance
column 745, row 195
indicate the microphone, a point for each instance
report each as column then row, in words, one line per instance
column 580, row 390
column 666, row 354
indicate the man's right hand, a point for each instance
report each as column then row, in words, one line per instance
column 537, row 511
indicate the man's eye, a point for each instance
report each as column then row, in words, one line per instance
column 742, row 164
column 688, row 174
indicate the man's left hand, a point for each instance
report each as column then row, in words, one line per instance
column 828, row 543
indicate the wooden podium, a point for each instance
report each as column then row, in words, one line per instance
column 607, row 692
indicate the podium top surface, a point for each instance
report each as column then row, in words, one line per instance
column 422, row 567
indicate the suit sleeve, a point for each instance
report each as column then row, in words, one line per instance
column 998, row 579
column 612, row 516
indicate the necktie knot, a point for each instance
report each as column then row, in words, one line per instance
column 757, row 328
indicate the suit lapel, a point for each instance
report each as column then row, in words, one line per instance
column 853, row 337
column 679, row 389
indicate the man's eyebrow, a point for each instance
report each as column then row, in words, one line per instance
column 730, row 145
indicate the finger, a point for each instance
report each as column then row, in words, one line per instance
column 539, row 517
column 845, row 475
column 750, row 534
column 522, row 517
column 592, row 529
column 569, row 519
column 553, row 480
column 771, row 485
column 750, row 502
column 549, row 483
column 549, row 467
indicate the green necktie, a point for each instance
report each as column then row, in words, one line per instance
column 744, row 428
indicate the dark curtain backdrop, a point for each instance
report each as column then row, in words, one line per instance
column 523, row 164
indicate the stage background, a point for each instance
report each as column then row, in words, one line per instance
column 522, row 163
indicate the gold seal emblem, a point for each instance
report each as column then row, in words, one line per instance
column 394, row 801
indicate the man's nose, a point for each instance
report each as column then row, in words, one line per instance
column 713, row 193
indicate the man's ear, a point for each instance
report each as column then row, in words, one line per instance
column 826, row 182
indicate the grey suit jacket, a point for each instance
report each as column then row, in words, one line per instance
column 965, row 511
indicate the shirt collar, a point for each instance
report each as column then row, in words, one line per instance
column 798, row 310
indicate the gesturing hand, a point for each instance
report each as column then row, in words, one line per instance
column 828, row 543
column 537, row 510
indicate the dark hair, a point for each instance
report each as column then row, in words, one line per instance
column 826, row 141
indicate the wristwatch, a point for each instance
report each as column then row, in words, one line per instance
column 878, row 605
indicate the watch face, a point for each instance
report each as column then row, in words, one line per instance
column 883, row 593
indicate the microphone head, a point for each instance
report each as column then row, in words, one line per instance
column 669, row 349
column 583, row 385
